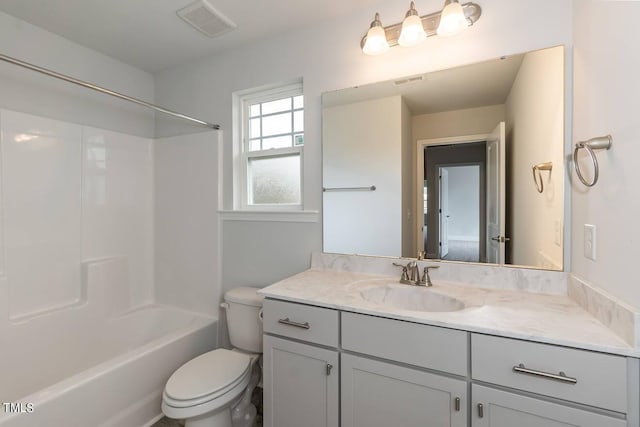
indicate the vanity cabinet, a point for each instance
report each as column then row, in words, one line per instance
column 572, row 387
column 377, row 393
column 584, row 377
column 300, row 384
column 497, row 408
column 324, row 368
column 301, row 380
column 380, row 394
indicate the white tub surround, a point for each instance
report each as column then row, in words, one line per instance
column 82, row 336
column 502, row 301
column 99, row 362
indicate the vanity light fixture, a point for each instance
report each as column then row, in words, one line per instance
column 375, row 42
column 452, row 19
column 412, row 32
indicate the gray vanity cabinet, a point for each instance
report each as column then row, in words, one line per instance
column 497, row 408
column 325, row 368
column 301, row 384
column 380, row 394
column 301, row 375
column 385, row 383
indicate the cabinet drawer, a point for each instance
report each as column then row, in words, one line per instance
column 304, row 322
column 431, row 347
column 581, row 376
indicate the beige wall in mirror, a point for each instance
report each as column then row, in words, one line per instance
column 444, row 163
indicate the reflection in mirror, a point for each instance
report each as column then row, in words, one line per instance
column 451, row 155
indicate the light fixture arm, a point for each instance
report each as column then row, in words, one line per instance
column 376, row 22
column 472, row 12
column 412, row 11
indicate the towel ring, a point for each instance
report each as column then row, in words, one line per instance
column 548, row 166
column 598, row 143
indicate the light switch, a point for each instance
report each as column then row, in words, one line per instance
column 590, row 241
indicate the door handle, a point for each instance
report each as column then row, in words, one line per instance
column 562, row 377
column 500, row 239
column 286, row 321
column 480, row 410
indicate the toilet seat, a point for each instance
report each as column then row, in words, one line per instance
column 206, row 378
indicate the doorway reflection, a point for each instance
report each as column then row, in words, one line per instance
column 454, row 202
column 459, row 212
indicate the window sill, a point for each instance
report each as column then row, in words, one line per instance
column 273, row 216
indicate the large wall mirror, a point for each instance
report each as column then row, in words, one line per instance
column 464, row 164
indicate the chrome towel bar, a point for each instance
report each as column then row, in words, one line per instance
column 371, row 188
column 598, row 143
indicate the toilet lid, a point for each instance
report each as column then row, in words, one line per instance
column 207, row 374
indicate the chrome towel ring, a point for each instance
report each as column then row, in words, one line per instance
column 548, row 166
column 598, row 143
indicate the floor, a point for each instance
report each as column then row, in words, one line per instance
column 463, row 251
column 256, row 399
column 166, row 422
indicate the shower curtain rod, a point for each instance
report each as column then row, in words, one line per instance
column 78, row 82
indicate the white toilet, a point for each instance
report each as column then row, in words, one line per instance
column 214, row 389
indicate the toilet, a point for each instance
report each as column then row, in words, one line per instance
column 214, row 389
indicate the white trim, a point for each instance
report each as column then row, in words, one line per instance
column 270, row 216
column 471, row 238
column 420, row 146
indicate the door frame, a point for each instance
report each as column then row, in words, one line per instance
column 421, row 144
column 442, row 213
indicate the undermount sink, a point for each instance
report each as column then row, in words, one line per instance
column 414, row 298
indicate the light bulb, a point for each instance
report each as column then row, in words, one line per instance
column 412, row 30
column 452, row 19
column 376, row 39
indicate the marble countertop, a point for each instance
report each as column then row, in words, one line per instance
column 553, row 319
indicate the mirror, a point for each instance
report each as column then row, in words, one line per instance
column 464, row 164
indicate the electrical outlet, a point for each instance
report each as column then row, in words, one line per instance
column 590, row 241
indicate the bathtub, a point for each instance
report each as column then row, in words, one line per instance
column 75, row 369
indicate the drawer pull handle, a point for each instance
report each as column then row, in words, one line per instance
column 562, row 377
column 456, row 404
column 286, row 321
column 480, row 410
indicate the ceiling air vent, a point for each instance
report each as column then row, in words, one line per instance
column 408, row 80
column 206, row 19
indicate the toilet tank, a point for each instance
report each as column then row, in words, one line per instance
column 243, row 318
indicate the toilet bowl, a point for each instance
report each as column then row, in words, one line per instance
column 214, row 389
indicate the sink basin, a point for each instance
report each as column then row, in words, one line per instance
column 406, row 297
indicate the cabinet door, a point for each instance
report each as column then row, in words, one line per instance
column 300, row 385
column 378, row 394
column 504, row 409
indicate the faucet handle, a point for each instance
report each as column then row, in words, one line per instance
column 405, row 272
column 425, row 274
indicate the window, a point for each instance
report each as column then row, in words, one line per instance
column 271, row 149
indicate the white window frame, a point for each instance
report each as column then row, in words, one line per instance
column 245, row 155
